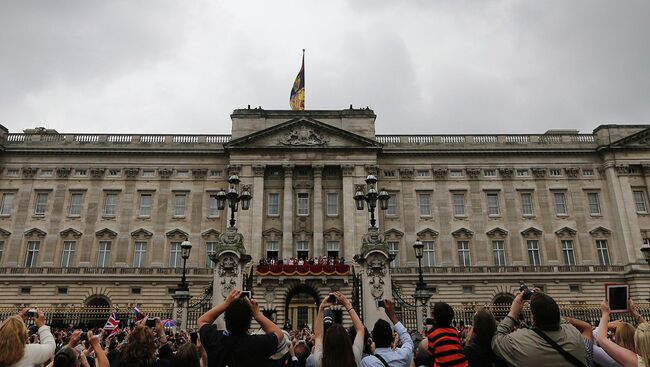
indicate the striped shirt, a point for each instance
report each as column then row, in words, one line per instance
column 445, row 348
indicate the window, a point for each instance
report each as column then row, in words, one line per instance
column 110, row 204
column 62, row 290
column 272, row 249
column 274, row 204
column 136, row 290
column 31, row 259
column 603, row 252
column 587, row 172
column 456, row 173
column 499, row 252
column 527, row 203
column 639, row 201
column 25, row 290
column 523, row 173
column 333, row 248
column 423, row 173
column 459, row 204
column 429, row 253
column 113, row 172
column 12, row 172
column 140, row 254
column 104, row 254
column 594, row 203
column 75, row 204
column 560, row 203
column 468, row 289
column 533, row 253
column 210, row 248
column 567, row 251
column 555, row 172
column 425, row 205
column 183, row 173
column 41, row 203
column 215, row 173
column 47, row 173
column 392, row 205
column 463, row 253
column 7, row 204
column 332, row 204
column 389, row 173
column 81, row 172
column 146, row 201
column 393, row 249
column 148, row 173
column 302, row 249
column 2, row 246
column 574, row 288
column 493, row 204
column 303, row 203
column 213, row 209
column 180, row 202
column 67, row 256
column 490, row 173
column 175, row 259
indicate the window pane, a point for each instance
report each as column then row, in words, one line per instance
column 332, row 203
column 425, row 204
column 594, row 203
column 526, row 204
column 75, row 204
column 110, row 204
column 67, row 256
column 499, row 252
column 392, row 205
column 303, row 203
column 568, row 252
column 210, row 248
column 393, row 248
column 140, row 255
column 104, row 254
column 429, row 258
column 145, row 205
column 175, row 259
column 7, row 204
column 459, row 204
column 493, row 204
column 560, row 203
column 603, row 252
column 533, row 253
column 179, row 205
column 31, row 258
column 41, row 204
column 274, row 204
column 2, row 247
column 639, row 201
column 463, row 253
column 213, row 209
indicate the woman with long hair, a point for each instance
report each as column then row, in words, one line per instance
column 335, row 349
column 478, row 350
column 142, row 347
column 624, row 356
column 14, row 352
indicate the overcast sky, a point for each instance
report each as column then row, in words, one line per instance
column 427, row 66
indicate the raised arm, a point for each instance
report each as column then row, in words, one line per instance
column 583, row 327
column 100, row 357
column 267, row 325
column 356, row 321
column 503, row 344
column 318, row 324
column 212, row 314
column 635, row 313
column 623, row 356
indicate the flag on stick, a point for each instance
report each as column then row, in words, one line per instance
column 297, row 97
column 137, row 314
column 112, row 323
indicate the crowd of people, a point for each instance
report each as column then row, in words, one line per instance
column 318, row 260
column 549, row 339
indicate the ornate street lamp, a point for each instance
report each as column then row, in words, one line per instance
column 418, row 246
column 371, row 196
column 186, row 248
column 645, row 250
column 233, row 197
column 422, row 292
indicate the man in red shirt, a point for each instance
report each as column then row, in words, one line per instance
column 444, row 344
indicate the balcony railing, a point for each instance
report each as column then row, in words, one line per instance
column 510, row 269
column 513, row 139
column 106, row 271
column 117, row 139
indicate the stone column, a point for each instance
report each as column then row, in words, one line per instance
column 318, row 210
column 287, row 213
column 181, row 303
column 257, row 213
column 231, row 259
column 349, row 212
column 375, row 276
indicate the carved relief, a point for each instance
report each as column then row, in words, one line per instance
column 566, row 232
column 406, row 173
column 258, row 170
column 531, row 232
column 373, row 237
column 622, row 170
column 165, row 173
column 199, row 173
column 376, row 274
column 288, row 170
column 97, row 172
column 233, row 169
column 473, row 172
column 539, row 172
column 372, row 169
column 506, row 172
column 348, row 169
column 228, row 269
column 63, row 172
column 303, row 135
column 572, row 172
column 440, row 173
column 29, row 172
column 131, row 172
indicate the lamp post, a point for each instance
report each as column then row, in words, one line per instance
column 422, row 292
column 645, row 250
column 182, row 293
column 233, row 197
column 371, row 196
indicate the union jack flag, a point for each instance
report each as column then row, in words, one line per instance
column 112, row 323
column 137, row 314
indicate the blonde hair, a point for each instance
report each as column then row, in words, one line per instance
column 624, row 336
column 12, row 340
column 642, row 342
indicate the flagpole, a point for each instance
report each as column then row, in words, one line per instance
column 303, row 79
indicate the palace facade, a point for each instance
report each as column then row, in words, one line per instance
column 98, row 218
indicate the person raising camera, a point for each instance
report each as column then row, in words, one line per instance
column 14, row 352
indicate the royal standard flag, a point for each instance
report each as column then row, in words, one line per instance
column 297, row 98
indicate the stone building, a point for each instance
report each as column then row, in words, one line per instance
column 98, row 218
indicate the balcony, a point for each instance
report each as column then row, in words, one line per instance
column 510, row 269
column 103, row 271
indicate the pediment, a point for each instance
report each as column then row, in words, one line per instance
column 600, row 232
column 531, row 232
column 176, row 233
column 462, row 232
column 301, row 133
column 4, row 233
column 639, row 139
column 427, row 233
column 35, row 232
column 106, row 232
column 70, row 232
column 333, row 231
column 393, row 233
column 141, row 232
column 210, row 233
column 566, row 231
column 497, row 232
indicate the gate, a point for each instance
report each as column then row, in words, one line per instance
column 195, row 310
column 406, row 311
column 357, row 293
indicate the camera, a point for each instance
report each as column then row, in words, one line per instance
column 380, row 303
column 150, row 323
column 331, row 298
column 84, row 336
column 32, row 312
column 527, row 292
column 245, row 294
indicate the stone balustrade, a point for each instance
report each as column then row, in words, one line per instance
column 102, row 271
column 510, row 269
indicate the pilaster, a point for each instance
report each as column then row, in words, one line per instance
column 287, row 212
column 349, row 211
column 624, row 212
column 257, row 210
column 318, row 210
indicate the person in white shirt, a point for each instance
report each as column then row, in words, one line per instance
column 15, row 353
column 382, row 336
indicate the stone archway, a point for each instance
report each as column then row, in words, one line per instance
column 97, row 300
column 501, row 305
column 96, row 312
column 301, row 305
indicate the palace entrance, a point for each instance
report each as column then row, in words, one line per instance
column 301, row 306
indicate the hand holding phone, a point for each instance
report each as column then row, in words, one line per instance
column 245, row 294
column 380, row 303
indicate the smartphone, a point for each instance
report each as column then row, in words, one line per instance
column 527, row 292
column 380, row 303
column 617, row 296
column 331, row 298
column 150, row 323
column 245, row 294
column 193, row 337
column 32, row 312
